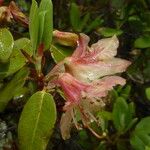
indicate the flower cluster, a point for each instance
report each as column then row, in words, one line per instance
column 85, row 78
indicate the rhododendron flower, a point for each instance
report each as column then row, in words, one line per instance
column 85, row 98
column 90, row 63
column 84, row 79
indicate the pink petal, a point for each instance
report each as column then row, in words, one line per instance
column 105, row 48
column 82, row 46
column 88, row 72
column 101, row 87
column 71, row 87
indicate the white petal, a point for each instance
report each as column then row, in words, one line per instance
column 101, row 87
column 92, row 71
column 106, row 48
column 66, row 124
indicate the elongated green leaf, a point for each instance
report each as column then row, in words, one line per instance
column 147, row 91
column 41, row 25
column 47, row 7
column 34, row 25
column 94, row 24
column 140, row 138
column 75, row 16
column 59, row 53
column 108, row 32
column 6, row 44
column 142, row 42
column 122, row 115
column 125, row 92
column 37, row 122
column 7, row 93
column 84, row 21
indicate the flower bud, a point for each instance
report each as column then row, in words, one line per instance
column 65, row 38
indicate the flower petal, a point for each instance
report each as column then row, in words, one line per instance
column 82, row 46
column 71, row 87
column 100, row 88
column 105, row 48
column 66, row 124
column 88, row 72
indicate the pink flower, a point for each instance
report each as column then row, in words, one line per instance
column 84, row 79
column 84, row 98
column 88, row 64
column 91, row 63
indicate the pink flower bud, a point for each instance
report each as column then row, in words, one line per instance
column 65, row 38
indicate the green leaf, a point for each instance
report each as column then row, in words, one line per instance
column 34, row 25
column 47, row 8
column 122, row 115
column 140, row 138
column 6, row 44
column 37, row 122
column 114, row 94
column 94, row 24
column 41, row 25
column 117, row 3
column 102, row 146
column 147, row 91
column 104, row 117
column 84, row 21
column 20, row 92
column 108, row 32
column 125, row 92
column 142, row 42
column 147, row 148
column 105, row 114
column 75, row 16
column 143, row 125
column 122, row 145
column 7, row 93
column 83, row 135
column 59, row 53
column 132, row 123
column 17, row 59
